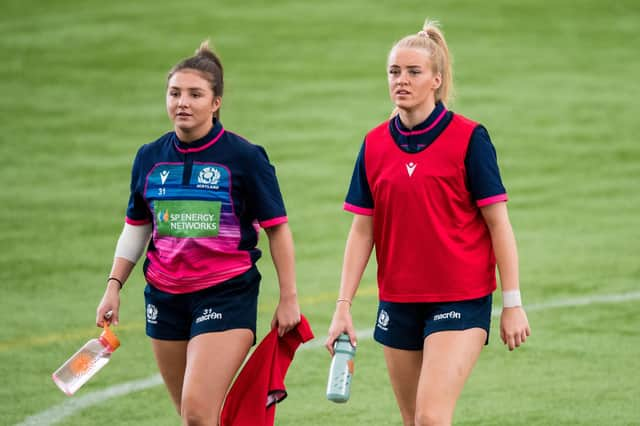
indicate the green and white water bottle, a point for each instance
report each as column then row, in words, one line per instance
column 341, row 371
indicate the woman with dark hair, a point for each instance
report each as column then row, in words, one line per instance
column 199, row 195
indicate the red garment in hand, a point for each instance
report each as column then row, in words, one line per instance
column 260, row 385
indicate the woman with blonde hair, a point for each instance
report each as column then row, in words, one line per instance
column 426, row 192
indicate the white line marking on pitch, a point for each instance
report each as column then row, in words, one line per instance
column 71, row 406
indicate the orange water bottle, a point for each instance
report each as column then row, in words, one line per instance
column 89, row 359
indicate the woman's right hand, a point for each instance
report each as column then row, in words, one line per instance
column 341, row 323
column 110, row 302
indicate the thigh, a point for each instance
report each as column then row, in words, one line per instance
column 228, row 306
column 448, row 358
column 171, row 357
column 168, row 315
column 460, row 315
column 213, row 359
column 400, row 325
column 404, row 372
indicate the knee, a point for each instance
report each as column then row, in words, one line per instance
column 193, row 419
column 198, row 418
column 197, row 412
column 430, row 417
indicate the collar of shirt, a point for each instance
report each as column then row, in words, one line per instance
column 422, row 135
column 200, row 144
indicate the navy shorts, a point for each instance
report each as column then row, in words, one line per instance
column 406, row 325
column 230, row 305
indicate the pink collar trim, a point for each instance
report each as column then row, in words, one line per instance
column 200, row 148
column 419, row 132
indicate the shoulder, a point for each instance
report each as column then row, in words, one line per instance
column 157, row 145
column 480, row 145
column 248, row 151
column 480, row 134
column 379, row 129
column 469, row 130
column 464, row 121
column 153, row 151
column 239, row 142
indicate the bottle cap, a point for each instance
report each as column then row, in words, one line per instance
column 343, row 345
column 110, row 337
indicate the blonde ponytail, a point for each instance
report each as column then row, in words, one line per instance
column 431, row 39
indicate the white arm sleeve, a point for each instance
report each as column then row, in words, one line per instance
column 132, row 241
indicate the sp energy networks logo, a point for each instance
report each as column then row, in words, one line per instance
column 209, row 178
column 187, row 218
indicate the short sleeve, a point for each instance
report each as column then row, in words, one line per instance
column 137, row 210
column 265, row 197
column 359, row 199
column 483, row 174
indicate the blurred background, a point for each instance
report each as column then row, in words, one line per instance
column 556, row 85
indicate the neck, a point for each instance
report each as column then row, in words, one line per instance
column 412, row 117
column 188, row 136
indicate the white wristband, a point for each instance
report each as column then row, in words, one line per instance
column 511, row 299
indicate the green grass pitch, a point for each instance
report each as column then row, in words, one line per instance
column 82, row 87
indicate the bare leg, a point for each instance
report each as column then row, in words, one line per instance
column 171, row 357
column 212, row 362
column 449, row 357
column 404, row 372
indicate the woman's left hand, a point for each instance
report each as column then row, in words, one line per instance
column 514, row 327
column 287, row 315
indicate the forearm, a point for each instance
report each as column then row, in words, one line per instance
column 282, row 253
column 120, row 270
column 110, row 303
column 129, row 248
column 514, row 326
column 356, row 256
column 504, row 245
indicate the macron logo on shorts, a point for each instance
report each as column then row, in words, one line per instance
column 447, row 315
column 207, row 315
